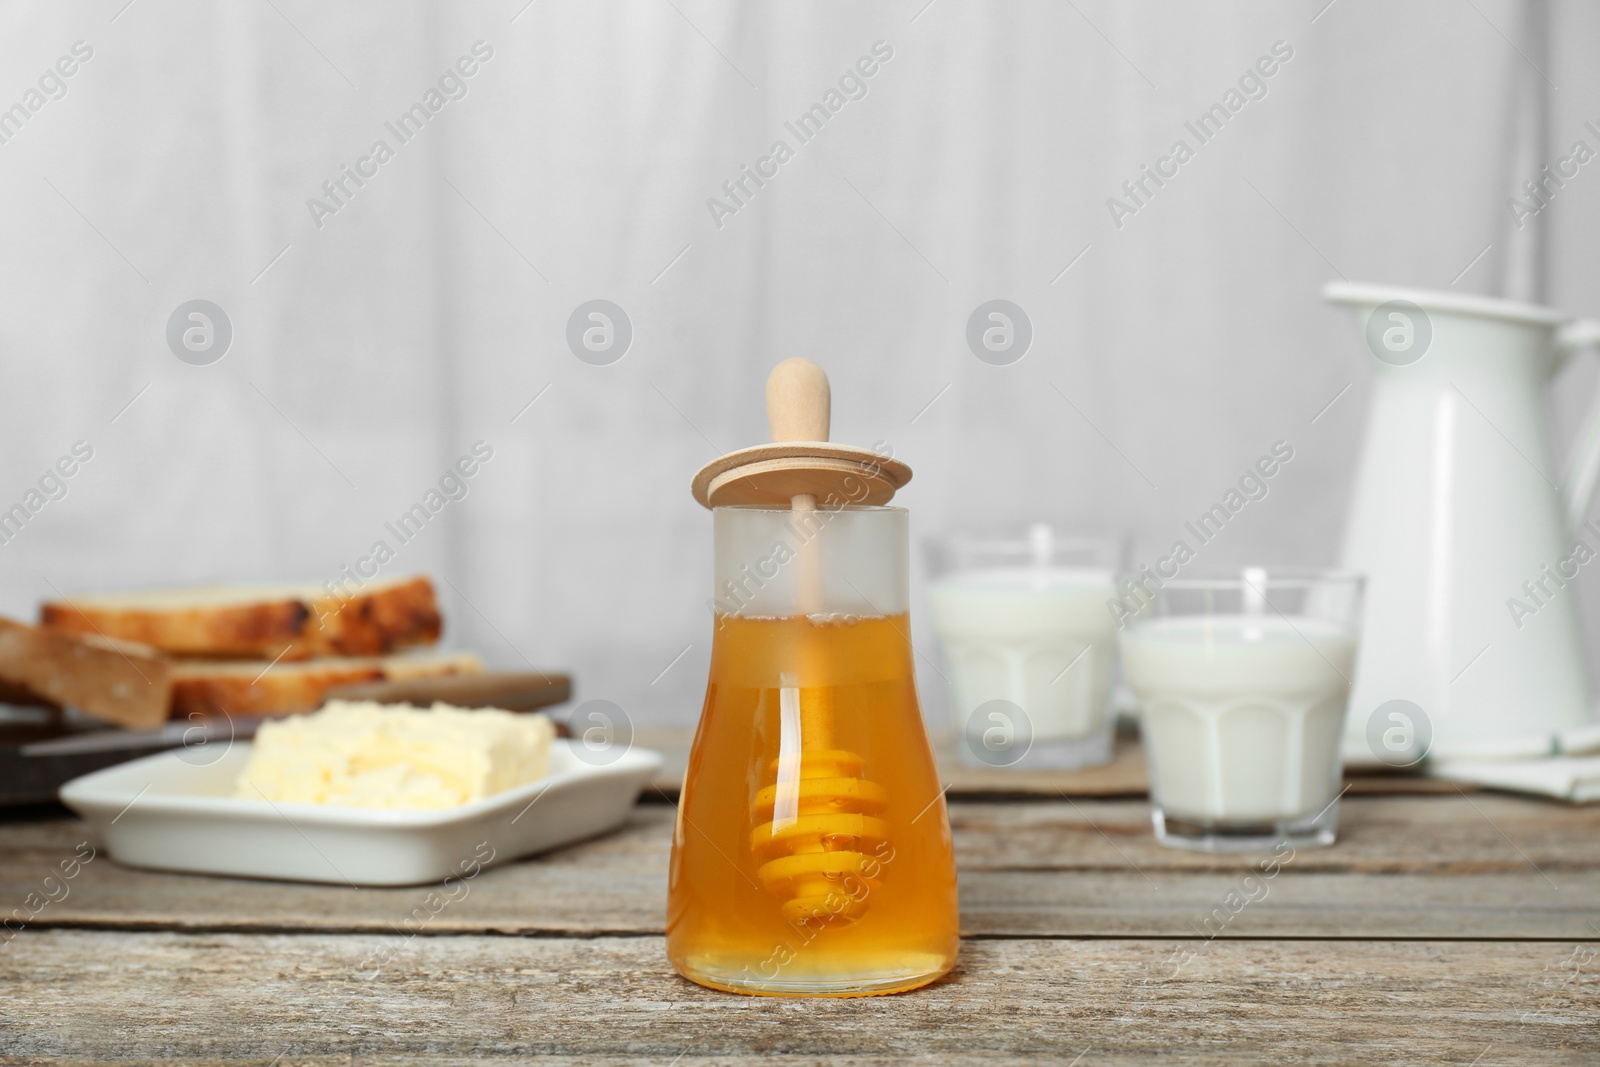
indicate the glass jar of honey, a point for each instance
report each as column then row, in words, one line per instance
column 812, row 851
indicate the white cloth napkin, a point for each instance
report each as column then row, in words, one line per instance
column 1574, row 778
column 1573, row 774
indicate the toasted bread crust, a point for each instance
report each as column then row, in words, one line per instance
column 201, row 688
column 371, row 623
column 114, row 681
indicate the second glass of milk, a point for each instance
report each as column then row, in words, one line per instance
column 1030, row 645
column 1242, row 684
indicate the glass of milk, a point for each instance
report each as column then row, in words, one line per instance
column 1029, row 645
column 1242, row 682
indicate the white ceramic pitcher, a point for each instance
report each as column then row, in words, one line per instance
column 1459, row 517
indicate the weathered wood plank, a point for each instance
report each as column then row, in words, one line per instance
column 1483, row 832
column 1318, row 905
column 526, row 899
column 76, row 996
column 1407, row 867
column 1124, row 776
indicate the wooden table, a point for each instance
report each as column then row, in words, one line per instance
column 1446, row 926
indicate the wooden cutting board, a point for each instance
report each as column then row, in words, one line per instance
column 39, row 754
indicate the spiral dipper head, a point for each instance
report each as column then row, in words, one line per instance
column 821, row 860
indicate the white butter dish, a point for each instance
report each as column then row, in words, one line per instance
column 176, row 811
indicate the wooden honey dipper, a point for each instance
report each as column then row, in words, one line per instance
column 800, row 462
column 817, row 827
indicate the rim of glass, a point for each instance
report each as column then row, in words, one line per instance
column 983, row 548
column 820, row 507
column 1282, row 576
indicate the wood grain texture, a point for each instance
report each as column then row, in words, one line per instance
column 76, row 996
column 120, row 682
column 1406, row 867
column 510, row 690
column 1124, row 776
column 1392, row 834
column 1086, row 943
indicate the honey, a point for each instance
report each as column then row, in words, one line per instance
column 812, row 852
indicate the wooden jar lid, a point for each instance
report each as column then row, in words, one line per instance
column 800, row 460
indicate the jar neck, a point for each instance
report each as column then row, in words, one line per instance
column 777, row 564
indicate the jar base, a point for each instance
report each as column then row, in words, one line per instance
column 866, row 984
column 1230, row 835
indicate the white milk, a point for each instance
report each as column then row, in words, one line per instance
column 1041, row 638
column 1241, row 715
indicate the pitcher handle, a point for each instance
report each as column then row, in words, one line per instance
column 1583, row 461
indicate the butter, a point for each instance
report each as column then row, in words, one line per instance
column 395, row 756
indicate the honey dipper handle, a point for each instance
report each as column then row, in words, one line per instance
column 798, row 401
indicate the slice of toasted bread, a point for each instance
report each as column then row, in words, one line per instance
column 219, row 687
column 119, row 681
column 269, row 622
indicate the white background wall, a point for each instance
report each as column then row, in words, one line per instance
column 427, row 312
